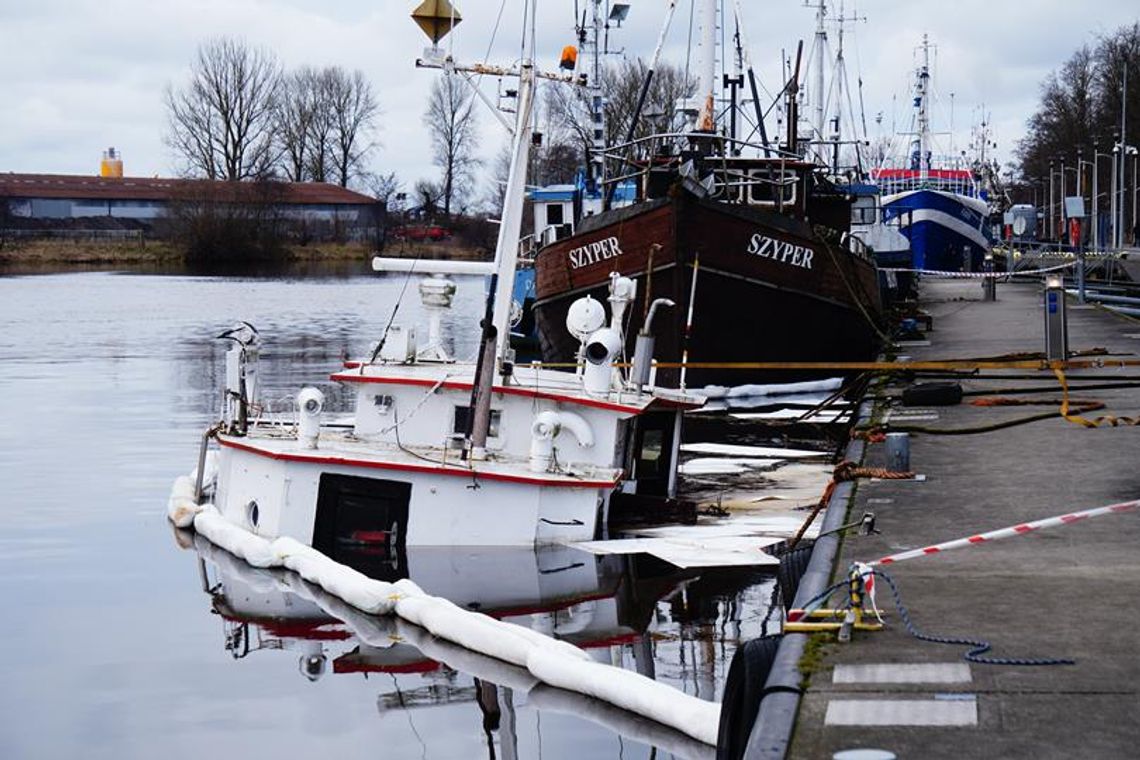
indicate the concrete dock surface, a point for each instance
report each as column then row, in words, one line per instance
column 1071, row 592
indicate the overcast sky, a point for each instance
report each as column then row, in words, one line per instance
column 77, row 76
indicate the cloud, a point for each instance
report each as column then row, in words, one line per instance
column 80, row 75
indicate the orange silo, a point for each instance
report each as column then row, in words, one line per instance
column 111, row 165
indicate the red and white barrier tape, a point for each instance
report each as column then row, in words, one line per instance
column 979, row 275
column 1014, row 530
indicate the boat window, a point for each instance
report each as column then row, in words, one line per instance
column 650, row 458
column 463, row 414
column 383, row 402
column 554, row 213
column 863, row 215
column 731, row 186
column 771, row 189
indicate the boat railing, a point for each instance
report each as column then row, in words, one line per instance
column 771, row 181
column 857, row 247
column 628, row 151
column 959, row 186
column 755, row 187
column 528, row 247
column 552, row 233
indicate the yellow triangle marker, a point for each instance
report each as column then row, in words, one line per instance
column 436, row 18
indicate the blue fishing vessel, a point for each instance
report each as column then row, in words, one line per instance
column 942, row 211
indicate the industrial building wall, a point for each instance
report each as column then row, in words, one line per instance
column 49, row 208
column 66, row 208
column 316, row 222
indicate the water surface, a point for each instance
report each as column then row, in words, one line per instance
column 114, row 647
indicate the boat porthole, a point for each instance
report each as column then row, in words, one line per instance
column 251, row 513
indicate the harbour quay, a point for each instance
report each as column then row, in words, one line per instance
column 1043, row 594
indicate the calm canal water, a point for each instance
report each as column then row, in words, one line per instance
column 116, row 649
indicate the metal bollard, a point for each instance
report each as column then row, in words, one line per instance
column 989, row 283
column 898, row 452
column 1081, row 276
column 1056, row 323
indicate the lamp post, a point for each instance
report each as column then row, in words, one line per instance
column 1132, row 151
column 1080, row 185
column 1095, row 210
column 1090, row 210
column 1052, row 224
column 1065, row 220
column 1118, row 221
column 1061, row 203
column 1097, row 156
column 1123, row 148
column 1112, row 196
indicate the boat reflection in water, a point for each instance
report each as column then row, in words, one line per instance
column 636, row 612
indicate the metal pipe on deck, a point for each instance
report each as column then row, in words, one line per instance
column 442, row 266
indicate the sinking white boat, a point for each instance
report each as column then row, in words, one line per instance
column 431, row 457
column 447, row 453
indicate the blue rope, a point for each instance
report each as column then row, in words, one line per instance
column 823, row 595
column 979, row 647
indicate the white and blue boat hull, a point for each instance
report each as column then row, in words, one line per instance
column 947, row 231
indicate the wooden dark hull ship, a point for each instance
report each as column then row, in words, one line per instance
column 768, row 288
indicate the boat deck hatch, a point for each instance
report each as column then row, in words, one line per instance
column 363, row 523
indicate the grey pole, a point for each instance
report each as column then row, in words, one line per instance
column 1136, row 158
column 1060, row 204
column 1095, row 200
column 1080, row 185
column 1052, row 223
column 1123, row 143
column 1112, row 200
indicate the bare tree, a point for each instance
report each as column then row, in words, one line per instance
column 222, row 120
column 322, row 127
column 296, row 107
column 451, row 123
column 500, row 171
column 1065, row 117
column 354, row 111
column 1081, row 103
column 568, row 108
column 385, row 188
column 1114, row 53
column 426, row 197
column 552, row 162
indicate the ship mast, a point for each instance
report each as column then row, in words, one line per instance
column 706, row 65
column 921, row 99
column 818, row 49
column 590, row 37
column 494, row 352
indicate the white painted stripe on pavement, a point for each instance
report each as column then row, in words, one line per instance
column 903, row 672
column 901, row 712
